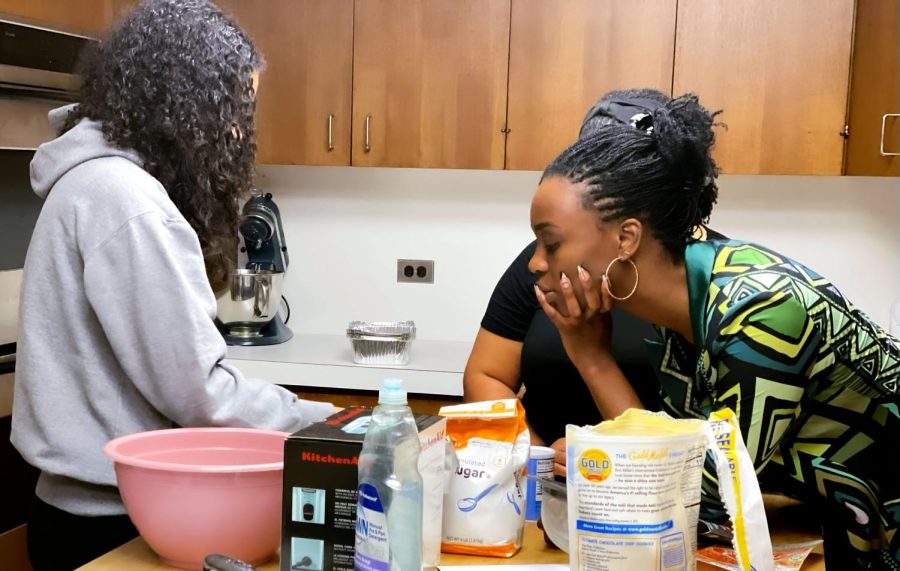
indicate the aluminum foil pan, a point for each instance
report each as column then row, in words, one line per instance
column 381, row 342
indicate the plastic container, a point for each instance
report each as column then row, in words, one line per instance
column 540, row 464
column 389, row 508
column 195, row 491
column 381, row 342
column 554, row 513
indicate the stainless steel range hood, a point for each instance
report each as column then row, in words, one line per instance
column 37, row 73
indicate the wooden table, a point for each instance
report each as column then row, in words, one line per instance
column 787, row 523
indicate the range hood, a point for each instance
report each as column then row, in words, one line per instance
column 37, row 73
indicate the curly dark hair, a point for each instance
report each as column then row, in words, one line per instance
column 173, row 80
column 660, row 172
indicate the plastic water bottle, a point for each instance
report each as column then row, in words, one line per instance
column 389, row 507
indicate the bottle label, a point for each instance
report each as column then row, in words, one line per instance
column 372, row 551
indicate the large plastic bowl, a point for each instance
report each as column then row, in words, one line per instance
column 195, row 491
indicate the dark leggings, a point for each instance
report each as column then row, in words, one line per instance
column 61, row 541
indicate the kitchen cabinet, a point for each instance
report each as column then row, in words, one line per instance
column 564, row 55
column 87, row 17
column 303, row 103
column 780, row 73
column 873, row 145
column 429, row 83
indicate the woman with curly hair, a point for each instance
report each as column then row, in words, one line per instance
column 142, row 192
column 815, row 384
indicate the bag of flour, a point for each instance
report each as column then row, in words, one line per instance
column 634, row 492
column 484, row 504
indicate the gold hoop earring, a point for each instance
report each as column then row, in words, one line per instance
column 609, row 282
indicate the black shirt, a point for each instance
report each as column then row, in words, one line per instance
column 555, row 394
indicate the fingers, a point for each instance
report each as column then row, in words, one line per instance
column 606, row 299
column 559, row 461
column 572, row 305
column 559, row 469
column 551, row 312
column 591, row 296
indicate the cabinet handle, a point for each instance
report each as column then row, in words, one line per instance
column 368, row 146
column 883, row 123
column 331, row 132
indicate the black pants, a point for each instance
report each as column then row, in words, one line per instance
column 61, row 541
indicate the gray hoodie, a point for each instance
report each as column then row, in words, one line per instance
column 116, row 332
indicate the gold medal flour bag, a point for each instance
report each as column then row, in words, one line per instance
column 634, row 492
column 484, row 504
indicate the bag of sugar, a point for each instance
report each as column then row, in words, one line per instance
column 484, row 503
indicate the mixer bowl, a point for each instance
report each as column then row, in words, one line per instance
column 251, row 301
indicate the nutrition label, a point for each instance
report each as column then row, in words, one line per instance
column 635, row 504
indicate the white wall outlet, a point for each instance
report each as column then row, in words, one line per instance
column 415, row 271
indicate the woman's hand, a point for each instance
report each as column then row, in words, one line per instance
column 586, row 332
column 559, row 462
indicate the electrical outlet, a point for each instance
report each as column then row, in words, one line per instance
column 415, row 271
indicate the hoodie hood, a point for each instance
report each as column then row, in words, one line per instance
column 82, row 143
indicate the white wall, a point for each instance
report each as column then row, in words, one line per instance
column 346, row 227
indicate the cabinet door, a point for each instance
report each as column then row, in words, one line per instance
column 779, row 70
column 88, row 17
column 303, row 105
column 564, row 55
column 429, row 83
column 875, row 90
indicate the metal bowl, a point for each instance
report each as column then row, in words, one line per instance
column 251, row 300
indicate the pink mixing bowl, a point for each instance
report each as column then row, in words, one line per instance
column 195, row 491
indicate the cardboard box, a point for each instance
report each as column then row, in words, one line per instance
column 318, row 530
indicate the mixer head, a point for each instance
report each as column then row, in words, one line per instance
column 263, row 234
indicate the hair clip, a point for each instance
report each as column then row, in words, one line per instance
column 643, row 122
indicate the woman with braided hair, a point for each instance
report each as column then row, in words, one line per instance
column 812, row 380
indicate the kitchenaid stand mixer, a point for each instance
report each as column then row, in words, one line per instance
column 247, row 311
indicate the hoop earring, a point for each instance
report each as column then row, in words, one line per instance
column 609, row 282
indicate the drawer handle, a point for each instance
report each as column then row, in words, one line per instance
column 883, row 124
column 331, row 132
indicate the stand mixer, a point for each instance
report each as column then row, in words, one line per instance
column 247, row 311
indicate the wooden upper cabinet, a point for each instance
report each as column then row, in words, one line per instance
column 87, row 17
column 429, row 84
column 565, row 54
column 779, row 70
column 303, row 106
column 875, row 91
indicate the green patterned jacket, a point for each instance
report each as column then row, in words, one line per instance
column 813, row 381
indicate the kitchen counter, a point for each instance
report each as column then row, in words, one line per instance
column 789, row 522
column 326, row 361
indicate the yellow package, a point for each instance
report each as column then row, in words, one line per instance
column 740, row 493
column 484, row 503
column 634, row 492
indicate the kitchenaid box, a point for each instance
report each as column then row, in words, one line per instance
column 321, row 465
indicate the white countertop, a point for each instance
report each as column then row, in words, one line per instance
column 326, row 361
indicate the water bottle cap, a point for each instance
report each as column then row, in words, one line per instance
column 392, row 393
